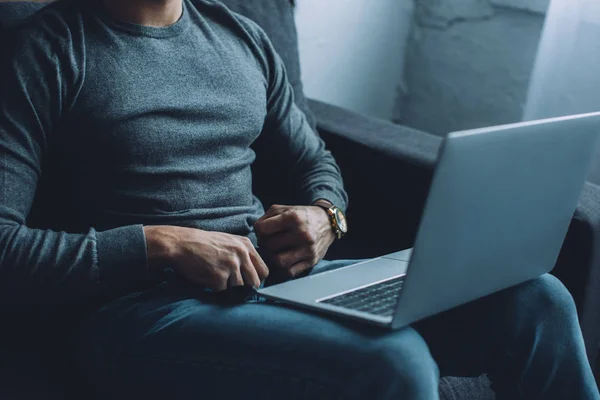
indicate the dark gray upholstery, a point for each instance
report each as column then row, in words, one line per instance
column 12, row 13
column 368, row 150
column 452, row 388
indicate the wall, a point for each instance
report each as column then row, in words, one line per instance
column 352, row 51
column 539, row 6
column 565, row 79
column 469, row 63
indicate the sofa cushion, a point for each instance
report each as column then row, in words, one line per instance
column 454, row 388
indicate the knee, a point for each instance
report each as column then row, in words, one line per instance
column 402, row 367
column 548, row 300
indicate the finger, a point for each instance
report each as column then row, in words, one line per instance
column 235, row 279
column 282, row 241
column 274, row 210
column 291, row 257
column 218, row 285
column 259, row 265
column 276, row 224
column 249, row 272
column 300, row 267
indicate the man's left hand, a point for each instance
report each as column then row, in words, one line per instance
column 296, row 237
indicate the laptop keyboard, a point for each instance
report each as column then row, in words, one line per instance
column 378, row 299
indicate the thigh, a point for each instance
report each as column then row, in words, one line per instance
column 477, row 337
column 172, row 342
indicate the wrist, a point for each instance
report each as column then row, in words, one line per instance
column 160, row 247
column 336, row 217
column 323, row 203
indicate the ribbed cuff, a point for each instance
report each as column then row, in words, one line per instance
column 330, row 196
column 122, row 257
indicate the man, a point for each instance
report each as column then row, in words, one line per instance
column 143, row 117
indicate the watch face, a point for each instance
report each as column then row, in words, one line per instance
column 340, row 218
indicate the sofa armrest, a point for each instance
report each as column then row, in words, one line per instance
column 578, row 266
column 409, row 145
column 387, row 171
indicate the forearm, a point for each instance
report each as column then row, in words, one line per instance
column 55, row 267
column 322, row 179
column 315, row 170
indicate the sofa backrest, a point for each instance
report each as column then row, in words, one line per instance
column 14, row 12
column 275, row 17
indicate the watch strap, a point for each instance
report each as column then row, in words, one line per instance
column 331, row 214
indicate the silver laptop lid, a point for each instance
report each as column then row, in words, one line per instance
column 498, row 210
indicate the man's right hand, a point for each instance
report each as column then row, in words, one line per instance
column 211, row 259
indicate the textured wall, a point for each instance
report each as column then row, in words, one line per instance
column 469, row 63
column 352, row 51
column 540, row 6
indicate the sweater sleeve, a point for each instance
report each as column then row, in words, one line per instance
column 290, row 135
column 39, row 83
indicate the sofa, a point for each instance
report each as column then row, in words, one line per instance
column 387, row 166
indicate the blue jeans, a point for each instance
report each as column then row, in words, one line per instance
column 170, row 343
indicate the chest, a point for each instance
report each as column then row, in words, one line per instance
column 147, row 100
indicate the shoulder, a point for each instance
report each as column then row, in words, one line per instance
column 240, row 25
column 54, row 27
column 243, row 28
column 49, row 45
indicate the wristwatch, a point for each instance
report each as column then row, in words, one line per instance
column 339, row 223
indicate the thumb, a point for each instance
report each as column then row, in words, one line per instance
column 273, row 211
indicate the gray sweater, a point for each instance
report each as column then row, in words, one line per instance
column 123, row 125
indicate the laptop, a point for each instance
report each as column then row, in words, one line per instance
column 497, row 213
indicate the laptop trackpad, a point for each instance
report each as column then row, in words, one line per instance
column 314, row 287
